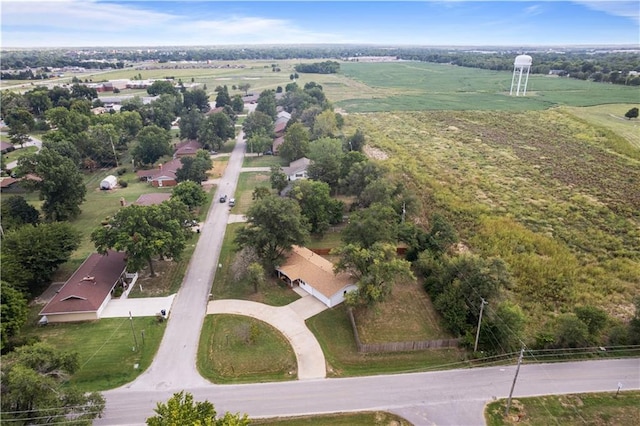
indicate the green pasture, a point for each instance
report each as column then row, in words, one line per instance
column 18, row 153
column 239, row 349
column 108, row 353
column 415, row 86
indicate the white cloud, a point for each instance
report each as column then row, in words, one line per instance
column 627, row 9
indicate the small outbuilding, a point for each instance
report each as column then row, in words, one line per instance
column 109, row 182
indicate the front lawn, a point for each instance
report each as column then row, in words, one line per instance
column 375, row 418
column 247, row 182
column 263, row 161
column 239, row 349
column 106, row 348
column 19, row 152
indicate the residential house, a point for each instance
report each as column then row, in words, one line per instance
column 187, row 148
column 314, row 274
column 152, row 198
column 297, row 169
column 163, row 175
column 85, row 295
column 6, row 147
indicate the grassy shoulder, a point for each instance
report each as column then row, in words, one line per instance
column 374, row 418
column 239, row 349
column 18, row 153
column 573, row 409
column 108, row 353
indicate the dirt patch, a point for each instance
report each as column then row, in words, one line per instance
column 374, row 153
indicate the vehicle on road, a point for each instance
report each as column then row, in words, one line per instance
column 223, row 199
column 232, row 202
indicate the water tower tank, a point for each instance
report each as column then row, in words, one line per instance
column 523, row 61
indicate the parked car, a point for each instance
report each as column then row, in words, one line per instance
column 267, row 152
column 223, row 199
column 232, row 202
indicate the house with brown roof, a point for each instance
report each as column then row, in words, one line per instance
column 187, row 148
column 297, row 169
column 85, row 295
column 163, row 175
column 152, row 198
column 6, row 147
column 314, row 274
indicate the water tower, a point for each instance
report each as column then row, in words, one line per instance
column 521, row 65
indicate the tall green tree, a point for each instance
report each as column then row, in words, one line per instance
column 160, row 87
column 61, row 185
column 34, row 392
column 181, row 409
column 144, row 232
column 153, row 143
column 196, row 98
column 20, row 122
column 13, row 313
column 316, row 204
column 190, row 123
column 190, row 193
column 267, row 103
column 256, row 123
column 278, row 179
column 255, row 275
column 378, row 223
column 215, row 130
column 325, row 125
column 194, row 168
column 17, row 212
column 237, row 104
column 376, row 270
column 296, row 142
column 259, row 142
column 326, row 157
column 222, row 96
column 31, row 254
column 273, row 226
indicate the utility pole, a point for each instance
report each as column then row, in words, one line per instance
column 482, row 303
column 513, row 385
column 135, row 339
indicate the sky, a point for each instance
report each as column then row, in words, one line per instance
column 93, row 23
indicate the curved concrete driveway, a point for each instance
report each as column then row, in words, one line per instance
column 311, row 362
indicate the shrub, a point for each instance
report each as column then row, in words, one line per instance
column 122, row 171
column 123, row 183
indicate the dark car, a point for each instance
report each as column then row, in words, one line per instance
column 223, row 199
column 267, row 153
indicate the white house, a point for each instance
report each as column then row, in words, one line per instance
column 297, row 169
column 314, row 274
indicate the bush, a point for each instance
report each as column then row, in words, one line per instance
column 123, row 183
column 122, row 171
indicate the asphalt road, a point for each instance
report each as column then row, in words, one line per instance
column 454, row 397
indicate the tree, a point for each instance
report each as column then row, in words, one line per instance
column 144, row 232
column 61, row 185
column 357, row 141
column 153, row 143
column 30, row 254
column 197, row 98
column 279, row 180
column 296, row 142
column 160, row 87
column 13, row 313
column 378, row 223
column 256, row 123
column 222, row 97
column 359, row 176
column 259, row 142
column 99, row 145
column 20, row 122
column 80, row 91
column 273, row 226
column 267, row 103
column 245, row 88
column 237, row 104
column 260, row 192
column 190, row 123
column 255, row 275
column 326, row 157
column 502, row 329
column 594, row 318
column 17, row 212
column 194, row 168
column 376, row 270
column 632, row 113
column 33, row 392
column 570, row 332
column 316, row 204
column 325, row 125
column 215, row 130
column 181, row 409
column 163, row 111
column 190, row 193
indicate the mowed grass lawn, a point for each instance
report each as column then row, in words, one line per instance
column 239, row 349
column 569, row 410
column 105, row 347
column 377, row 418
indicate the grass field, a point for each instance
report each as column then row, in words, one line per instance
column 239, row 349
column 247, row 182
column 18, row 153
column 577, row 409
column 107, row 358
column 544, row 190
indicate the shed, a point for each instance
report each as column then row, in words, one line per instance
column 109, row 182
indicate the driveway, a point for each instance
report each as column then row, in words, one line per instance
column 142, row 307
column 311, row 362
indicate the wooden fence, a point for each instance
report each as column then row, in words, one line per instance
column 398, row 346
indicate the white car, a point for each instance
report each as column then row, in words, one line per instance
column 232, row 202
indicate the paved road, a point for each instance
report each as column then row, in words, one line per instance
column 174, row 366
column 455, row 397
